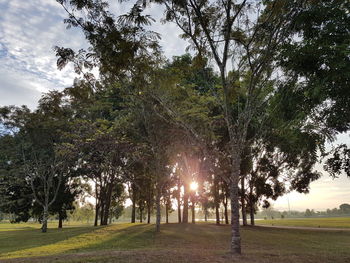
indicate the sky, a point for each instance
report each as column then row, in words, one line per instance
column 29, row 29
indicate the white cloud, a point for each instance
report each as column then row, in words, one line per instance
column 28, row 32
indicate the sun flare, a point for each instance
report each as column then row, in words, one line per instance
column 194, row 186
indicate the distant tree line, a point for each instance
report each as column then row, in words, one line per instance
column 270, row 213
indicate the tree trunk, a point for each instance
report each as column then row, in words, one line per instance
column 193, row 214
column 167, row 213
column 251, row 205
column 179, row 208
column 244, row 210
column 141, row 215
column 97, row 211
column 225, row 211
column 234, row 195
column 158, row 209
column 185, row 209
column 216, row 201
column 133, row 211
column 97, row 204
column 107, row 204
column 45, row 217
column 178, row 198
column 206, row 214
column 148, row 213
column 102, row 210
column 252, row 220
column 60, row 220
column 217, row 214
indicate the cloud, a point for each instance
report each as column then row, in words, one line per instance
column 28, row 32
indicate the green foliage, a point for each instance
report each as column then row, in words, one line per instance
column 319, row 60
column 84, row 213
column 339, row 162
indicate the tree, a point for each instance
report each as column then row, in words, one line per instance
column 37, row 133
column 318, row 60
column 319, row 63
column 339, row 162
column 220, row 30
column 117, row 202
column 309, row 213
column 344, row 208
column 101, row 155
column 15, row 193
column 69, row 190
column 81, row 213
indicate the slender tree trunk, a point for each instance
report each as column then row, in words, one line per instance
column 251, row 205
column 244, row 210
column 148, row 213
column 60, row 220
column 216, row 201
column 45, row 217
column 252, row 220
column 185, row 210
column 178, row 198
column 193, row 213
column 234, row 195
column 97, row 204
column 102, row 210
column 158, row 216
column 167, row 213
column 217, row 214
column 225, row 211
column 133, row 211
column 107, row 206
column 149, row 206
column 110, row 219
column 206, row 214
column 141, row 215
column 97, row 211
column 179, row 208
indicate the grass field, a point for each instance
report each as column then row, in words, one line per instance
column 332, row 222
column 176, row 243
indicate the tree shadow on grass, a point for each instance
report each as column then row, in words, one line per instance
column 27, row 238
column 172, row 236
column 76, row 239
column 132, row 237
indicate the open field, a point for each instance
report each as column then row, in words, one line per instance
column 328, row 222
column 6, row 226
column 176, row 243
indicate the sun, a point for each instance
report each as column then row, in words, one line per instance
column 194, row 186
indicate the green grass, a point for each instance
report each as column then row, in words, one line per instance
column 176, row 243
column 334, row 222
column 6, row 226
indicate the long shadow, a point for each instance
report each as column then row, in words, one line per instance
column 132, row 237
column 143, row 236
column 112, row 237
column 16, row 240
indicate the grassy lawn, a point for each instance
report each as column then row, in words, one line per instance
column 176, row 243
column 334, row 222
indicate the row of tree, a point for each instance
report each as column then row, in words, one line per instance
column 147, row 127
